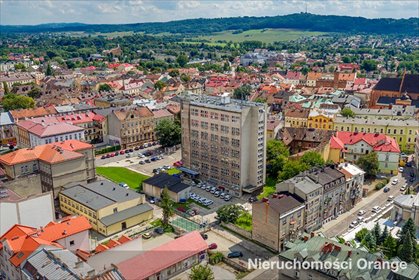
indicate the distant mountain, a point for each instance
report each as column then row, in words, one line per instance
column 304, row 21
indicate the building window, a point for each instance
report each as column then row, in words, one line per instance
column 72, row 243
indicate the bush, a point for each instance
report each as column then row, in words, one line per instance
column 380, row 185
column 108, row 150
column 215, row 257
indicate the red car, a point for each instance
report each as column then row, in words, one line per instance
column 178, row 163
column 122, row 152
column 112, row 155
column 212, row 246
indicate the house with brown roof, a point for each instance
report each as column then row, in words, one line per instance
column 32, row 113
column 296, row 116
column 312, row 78
column 58, row 164
column 277, row 219
column 131, row 127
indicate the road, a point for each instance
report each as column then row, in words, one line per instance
column 341, row 224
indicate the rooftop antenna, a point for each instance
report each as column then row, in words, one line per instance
column 306, row 7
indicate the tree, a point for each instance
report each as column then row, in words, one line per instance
column 185, row 78
column 20, row 66
column 277, row 154
column 369, row 163
column 360, row 235
column 229, row 213
column 408, row 228
column 6, row 88
column 166, row 205
column 390, row 246
column 174, row 73
column 369, row 65
column 242, row 92
column 35, row 92
column 14, row 102
column 383, row 236
column 49, row 71
column 346, row 59
column 369, row 241
column 159, row 85
column 168, row 132
column 347, row 112
column 215, row 257
column 407, row 250
column 201, row 272
column 260, row 100
column 226, row 67
column 182, row 60
column 312, row 158
column 377, row 232
column 105, row 87
column 291, row 169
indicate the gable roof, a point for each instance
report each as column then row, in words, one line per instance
column 410, row 83
column 379, row 142
column 48, row 129
column 50, row 153
column 163, row 180
column 159, row 258
column 389, row 84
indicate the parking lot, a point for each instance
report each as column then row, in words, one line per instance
column 217, row 201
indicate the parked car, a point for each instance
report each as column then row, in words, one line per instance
column 403, row 188
column 208, row 188
column 112, row 154
column 121, row 152
column 131, row 150
column 376, row 209
column 390, row 198
column 142, row 162
column 153, row 159
column 412, row 174
column 409, row 164
column 147, row 235
column 108, row 155
column 412, row 179
column 235, row 254
column 152, row 201
column 128, row 155
column 159, row 230
column 252, row 199
column 146, row 145
column 222, row 195
column 124, row 185
column 212, row 246
column 353, row 224
column 116, row 153
column 204, row 236
column 103, row 157
column 136, row 148
column 386, row 189
column 140, row 155
column 227, row 197
column 395, row 181
column 361, row 212
column 360, row 219
column 147, row 160
column 217, row 194
column 401, row 169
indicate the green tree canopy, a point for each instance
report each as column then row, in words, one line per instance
column 14, row 102
column 229, row 213
column 312, row 158
column 277, row 154
column 168, row 132
column 105, row 87
column 35, row 92
column 159, row 85
column 174, row 73
column 291, row 169
column 377, row 232
column 167, row 205
column 369, row 163
column 361, row 234
column 49, row 71
column 369, row 242
column 390, row 246
column 182, row 60
column 407, row 250
column 242, row 92
column 347, row 112
column 201, row 272
column 369, row 65
column 384, row 235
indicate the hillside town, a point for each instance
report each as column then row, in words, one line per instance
column 116, row 167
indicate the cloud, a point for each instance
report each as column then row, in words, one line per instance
column 130, row 11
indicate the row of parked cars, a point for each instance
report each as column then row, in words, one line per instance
column 145, row 160
column 214, row 190
column 203, row 200
column 129, row 151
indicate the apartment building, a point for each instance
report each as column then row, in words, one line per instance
column 320, row 119
column 225, row 141
column 323, row 191
column 11, row 79
column 131, row 126
column 58, row 164
column 277, row 220
column 406, row 206
column 7, row 133
column 401, row 130
column 296, row 117
column 350, row 146
column 108, row 207
column 31, row 133
column 354, row 177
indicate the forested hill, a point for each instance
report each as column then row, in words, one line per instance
column 304, row 21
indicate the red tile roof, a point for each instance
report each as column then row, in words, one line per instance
column 166, row 255
column 291, row 75
column 48, row 129
column 51, row 153
column 30, row 113
column 379, row 142
column 23, row 240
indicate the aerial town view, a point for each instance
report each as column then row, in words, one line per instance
column 209, row 140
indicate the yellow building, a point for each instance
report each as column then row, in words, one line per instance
column 295, row 117
column 320, row 120
column 401, row 130
column 110, row 208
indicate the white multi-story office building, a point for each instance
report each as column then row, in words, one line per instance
column 225, row 141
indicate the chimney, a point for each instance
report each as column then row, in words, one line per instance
column 64, row 232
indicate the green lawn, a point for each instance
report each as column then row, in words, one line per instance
column 121, row 174
column 244, row 221
column 263, row 35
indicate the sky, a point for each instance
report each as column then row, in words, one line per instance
column 29, row 12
